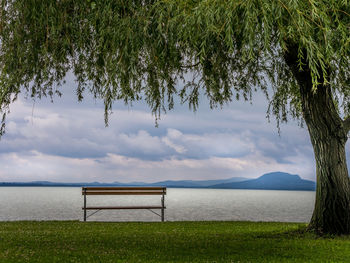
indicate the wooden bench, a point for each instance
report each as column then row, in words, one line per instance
column 124, row 191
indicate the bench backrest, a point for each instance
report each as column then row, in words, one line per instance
column 124, row 190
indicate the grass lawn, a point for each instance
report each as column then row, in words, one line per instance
column 73, row 241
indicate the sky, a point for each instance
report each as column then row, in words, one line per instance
column 67, row 141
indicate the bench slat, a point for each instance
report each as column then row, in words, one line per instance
column 122, row 207
column 122, row 193
column 125, row 188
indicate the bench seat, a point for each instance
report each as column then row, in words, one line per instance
column 122, row 207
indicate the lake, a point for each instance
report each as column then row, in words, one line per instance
column 64, row 203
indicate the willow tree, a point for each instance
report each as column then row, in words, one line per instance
column 296, row 51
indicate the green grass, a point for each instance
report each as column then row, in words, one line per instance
column 73, row 241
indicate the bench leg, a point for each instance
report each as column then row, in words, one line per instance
column 163, row 208
column 85, row 206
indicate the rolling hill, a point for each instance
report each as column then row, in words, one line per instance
column 271, row 181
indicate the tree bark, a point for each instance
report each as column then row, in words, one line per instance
column 332, row 207
column 328, row 133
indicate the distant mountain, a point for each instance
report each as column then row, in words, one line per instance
column 272, row 181
column 197, row 184
column 48, row 183
column 178, row 184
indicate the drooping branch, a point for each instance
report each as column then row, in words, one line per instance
column 190, row 66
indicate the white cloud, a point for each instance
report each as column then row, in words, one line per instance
column 39, row 166
column 177, row 148
column 65, row 141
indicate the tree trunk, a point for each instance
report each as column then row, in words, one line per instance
column 328, row 133
column 328, row 137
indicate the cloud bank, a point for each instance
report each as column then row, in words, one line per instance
column 67, row 141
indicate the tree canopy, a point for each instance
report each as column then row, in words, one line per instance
column 158, row 49
column 155, row 50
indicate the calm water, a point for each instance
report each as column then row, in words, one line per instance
column 64, row 203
